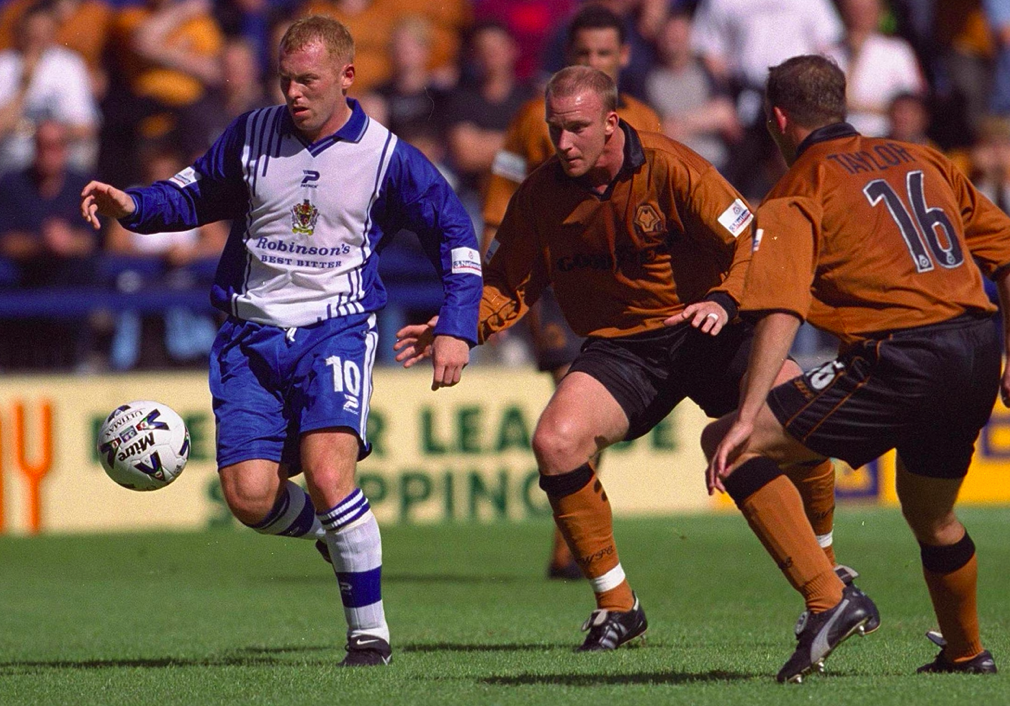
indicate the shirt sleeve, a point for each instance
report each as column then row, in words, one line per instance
column 719, row 217
column 514, row 272
column 784, row 257
column 986, row 227
column 422, row 201
column 212, row 189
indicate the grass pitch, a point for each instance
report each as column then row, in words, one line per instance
column 231, row 617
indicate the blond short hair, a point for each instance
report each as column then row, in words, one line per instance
column 573, row 80
column 332, row 34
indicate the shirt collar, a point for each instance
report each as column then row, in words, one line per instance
column 634, row 155
column 833, row 131
column 351, row 131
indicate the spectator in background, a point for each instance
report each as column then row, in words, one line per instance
column 693, row 109
column 449, row 20
column 174, row 260
column 169, row 52
column 42, row 234
column 40, row 81
column 370, row 23
column 71, row 17
column 998, row 16
column 643, row 20
column 877, row 67
column 531, row 23
column 595, row 37
column 965, row 52
column 990, row 160
column 410, row 99
column 476, row 116
column 241, row 90
column 738, row 40
column 908, row 118
column 251, row 21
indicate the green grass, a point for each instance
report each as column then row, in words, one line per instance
column 232, row 617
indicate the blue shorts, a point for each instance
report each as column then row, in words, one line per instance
column 270, row 385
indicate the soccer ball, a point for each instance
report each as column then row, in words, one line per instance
column 143, row 445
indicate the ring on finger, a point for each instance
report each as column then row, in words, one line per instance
column 712, row 315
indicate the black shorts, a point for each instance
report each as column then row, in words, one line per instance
column 925, row 391
column 650, row 373
column 554, row 343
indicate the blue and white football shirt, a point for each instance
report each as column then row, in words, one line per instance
column 309, row 219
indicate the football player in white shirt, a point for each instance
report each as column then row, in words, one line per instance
column 311, row 188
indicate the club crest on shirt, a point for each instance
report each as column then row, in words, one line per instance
column 303, row 218
column 647, row 219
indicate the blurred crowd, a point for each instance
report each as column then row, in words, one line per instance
column 130, row 91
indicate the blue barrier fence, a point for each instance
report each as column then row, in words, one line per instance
column 144, row 285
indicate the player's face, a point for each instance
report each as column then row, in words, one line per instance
column 313, row 86
column 579, row 128
column 599, row 48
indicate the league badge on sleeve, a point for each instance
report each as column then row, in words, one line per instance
column 736, row 218
column 186, row 177
column 465, row 261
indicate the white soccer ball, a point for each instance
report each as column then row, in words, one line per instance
column 143, row 445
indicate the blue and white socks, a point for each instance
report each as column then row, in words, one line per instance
column 352, row 536
column 293, row 515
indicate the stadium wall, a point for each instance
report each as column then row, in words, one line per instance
column 457, row 454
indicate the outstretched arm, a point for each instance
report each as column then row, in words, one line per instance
column 449, row 355
column 413, row 342
column 99, row 198
column 773, row 338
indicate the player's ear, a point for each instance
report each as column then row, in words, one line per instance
column 780, row 118
column 346, row 77
column 611, row 122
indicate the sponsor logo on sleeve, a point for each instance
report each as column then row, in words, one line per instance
column 465, row 261
column 736, row 218
column 509, row 165
column 186, row 177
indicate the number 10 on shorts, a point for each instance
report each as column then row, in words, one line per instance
column 346, row 380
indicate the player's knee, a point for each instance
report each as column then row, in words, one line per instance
column 559, row 448
column 329, row 484
column 250, row 503
column 937, row 527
